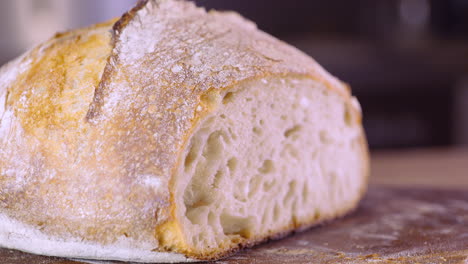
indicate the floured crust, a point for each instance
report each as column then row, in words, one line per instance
column 14, row 234
column 163, row 58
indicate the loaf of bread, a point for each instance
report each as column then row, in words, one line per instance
column 172, row 134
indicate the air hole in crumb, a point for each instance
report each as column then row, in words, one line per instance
column 267, row 167
column 211, row 98
column 232, row 165
column 212, row 219
column 248, row 99
column 199, row 193
column 265, row 217
column 228, row 97
column 272, row 106
column 294, row 208
column 191, row 156
column 254, row 185
column 214, row 145
column 292, row 131
column 218, row 177
column 223, row 116
column 268, row 185
column 197, row 215
column 283, row 117
column 291, row 190
column 240, row 191
column 201, row 199
column 262, row 122
column 239, row 197
column 276, row 213
column 257, row 131
column 236, row 225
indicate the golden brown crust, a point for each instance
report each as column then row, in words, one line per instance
column 165, row 55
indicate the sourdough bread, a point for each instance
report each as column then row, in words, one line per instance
column 172, row 134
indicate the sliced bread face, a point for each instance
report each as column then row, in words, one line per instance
column 279, row 153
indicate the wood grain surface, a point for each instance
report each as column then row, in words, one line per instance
column 416, row 211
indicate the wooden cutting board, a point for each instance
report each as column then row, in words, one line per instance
column 394, row 224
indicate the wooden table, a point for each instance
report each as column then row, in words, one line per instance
column 433, row 168
column 416, row 211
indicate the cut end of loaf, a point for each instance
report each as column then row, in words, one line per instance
column 278, row 154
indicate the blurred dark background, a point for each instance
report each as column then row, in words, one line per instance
column 406, row 60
